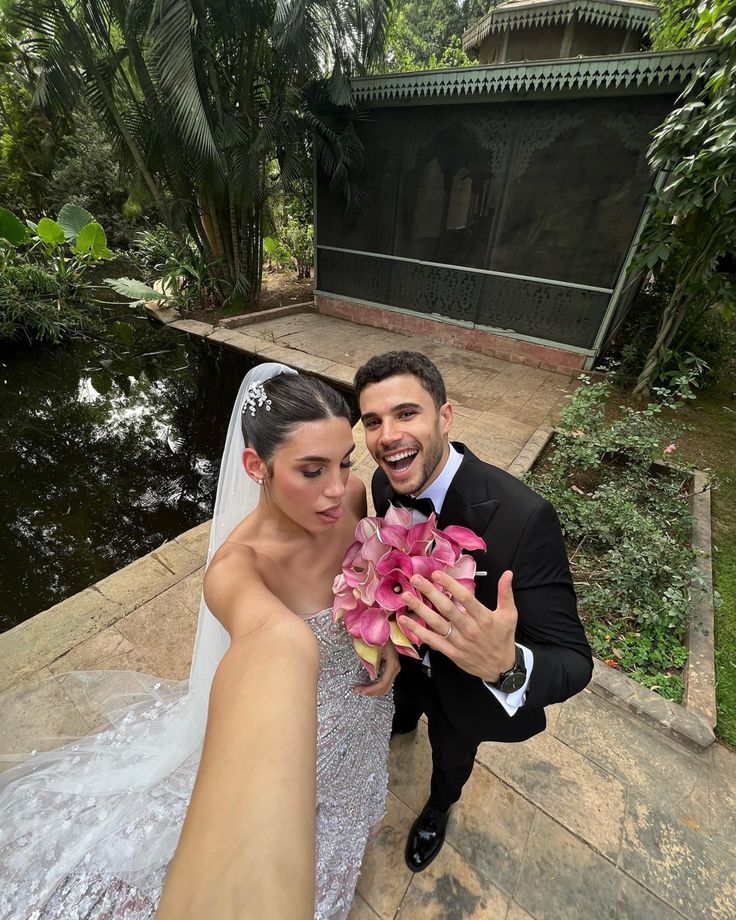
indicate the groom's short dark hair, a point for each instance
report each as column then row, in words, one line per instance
column 393, row 363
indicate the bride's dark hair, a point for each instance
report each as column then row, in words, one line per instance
column 295, row 399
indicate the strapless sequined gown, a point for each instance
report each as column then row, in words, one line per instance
column 352, row 752
column 352, row 778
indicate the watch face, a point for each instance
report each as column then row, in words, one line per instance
column 513, row 681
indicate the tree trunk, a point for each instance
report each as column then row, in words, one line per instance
column 671, row 320
column 672, row 317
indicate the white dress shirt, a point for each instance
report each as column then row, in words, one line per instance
column 437, row 491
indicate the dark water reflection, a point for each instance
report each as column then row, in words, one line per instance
column 107, row 450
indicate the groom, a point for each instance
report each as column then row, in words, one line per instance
column 487, row 672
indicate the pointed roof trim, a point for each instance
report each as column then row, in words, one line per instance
column 613, row 71
column 510, row 15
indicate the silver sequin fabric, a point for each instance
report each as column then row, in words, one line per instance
column 352, row 753
column 352, row 777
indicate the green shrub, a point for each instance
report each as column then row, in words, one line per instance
column 164, row 256
column 157, row 247
column 36, row 307
column 706, row 340
column 87, row 173
column 627, row 529
column 44, row 296
column 293, row 250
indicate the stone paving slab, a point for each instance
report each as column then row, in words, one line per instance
column 601, row 816
column 499, row 405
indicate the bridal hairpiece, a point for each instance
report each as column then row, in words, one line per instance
column 255, row 398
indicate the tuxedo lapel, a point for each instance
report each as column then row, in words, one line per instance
column 467, row 502
column 382, row 492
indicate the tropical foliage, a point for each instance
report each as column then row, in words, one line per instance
column 43, row 291
column 627, row 528
column 199, row 97
column 176, row 267
column 290, row 245
column 426, row 34
column 28, row 141
column 690, row 238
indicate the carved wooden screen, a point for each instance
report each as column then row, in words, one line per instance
column 516, row 216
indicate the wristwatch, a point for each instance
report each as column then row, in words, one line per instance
column 515, row 677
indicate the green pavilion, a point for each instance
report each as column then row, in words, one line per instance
column 500, row 203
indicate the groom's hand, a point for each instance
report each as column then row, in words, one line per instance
column 480, row 640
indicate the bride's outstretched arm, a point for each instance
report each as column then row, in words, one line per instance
column 247, row 848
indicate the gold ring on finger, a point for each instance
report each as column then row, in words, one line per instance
column 449, row 631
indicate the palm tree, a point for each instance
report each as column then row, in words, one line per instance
column 200, row 96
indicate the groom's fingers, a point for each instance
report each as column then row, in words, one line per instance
column 461, row 596
column 427, row 636
column 505, row 591
column 447, row 610
column 438, row 625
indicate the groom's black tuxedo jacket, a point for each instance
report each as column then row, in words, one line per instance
column 522, row 533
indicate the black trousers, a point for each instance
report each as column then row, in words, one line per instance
column 452, row 753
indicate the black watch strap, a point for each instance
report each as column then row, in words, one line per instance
column 513, row 679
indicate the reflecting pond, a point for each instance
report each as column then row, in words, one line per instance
column 109, row 448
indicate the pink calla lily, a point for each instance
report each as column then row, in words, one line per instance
column 354, row 565
column 426, row 566
column 363, row 579
column 366, row 528
column 394, row 535
column 402, row 644
column 376, row 572
column 374, row 627
column 463, row 538
column 443, row 551
column 396, row 515
column 407, row 631
column 464, row 572
column 390, row 589
column 369, row 655
column 395, row 559
column 352, row 620
column 420, row 536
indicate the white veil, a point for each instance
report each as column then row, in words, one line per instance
column 94, row 824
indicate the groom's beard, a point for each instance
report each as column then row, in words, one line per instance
column 428, row 460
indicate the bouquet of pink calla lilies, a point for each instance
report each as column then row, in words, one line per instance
column 376, row 572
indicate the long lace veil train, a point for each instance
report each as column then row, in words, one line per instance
column 107, row 809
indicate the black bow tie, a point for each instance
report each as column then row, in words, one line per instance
column 423, row 505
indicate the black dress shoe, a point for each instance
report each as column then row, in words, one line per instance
column 426, row 837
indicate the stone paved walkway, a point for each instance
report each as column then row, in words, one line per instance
column 602, row 816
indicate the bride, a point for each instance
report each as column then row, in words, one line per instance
column 89, row 830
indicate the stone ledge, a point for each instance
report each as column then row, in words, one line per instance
column 676, row 720
column 700, row 674
column 530, row 453
column 455, row 333
column 47, row 636
column 164, row 315
column 193, row 326
column 692, row 722
column 32, row 645
column 262, row 316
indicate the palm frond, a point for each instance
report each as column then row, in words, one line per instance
column 170, row 30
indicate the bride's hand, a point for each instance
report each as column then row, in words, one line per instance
column 386, row 676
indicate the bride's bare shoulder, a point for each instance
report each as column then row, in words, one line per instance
column 234, row 589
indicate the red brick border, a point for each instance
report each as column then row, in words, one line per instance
column 545, row 357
